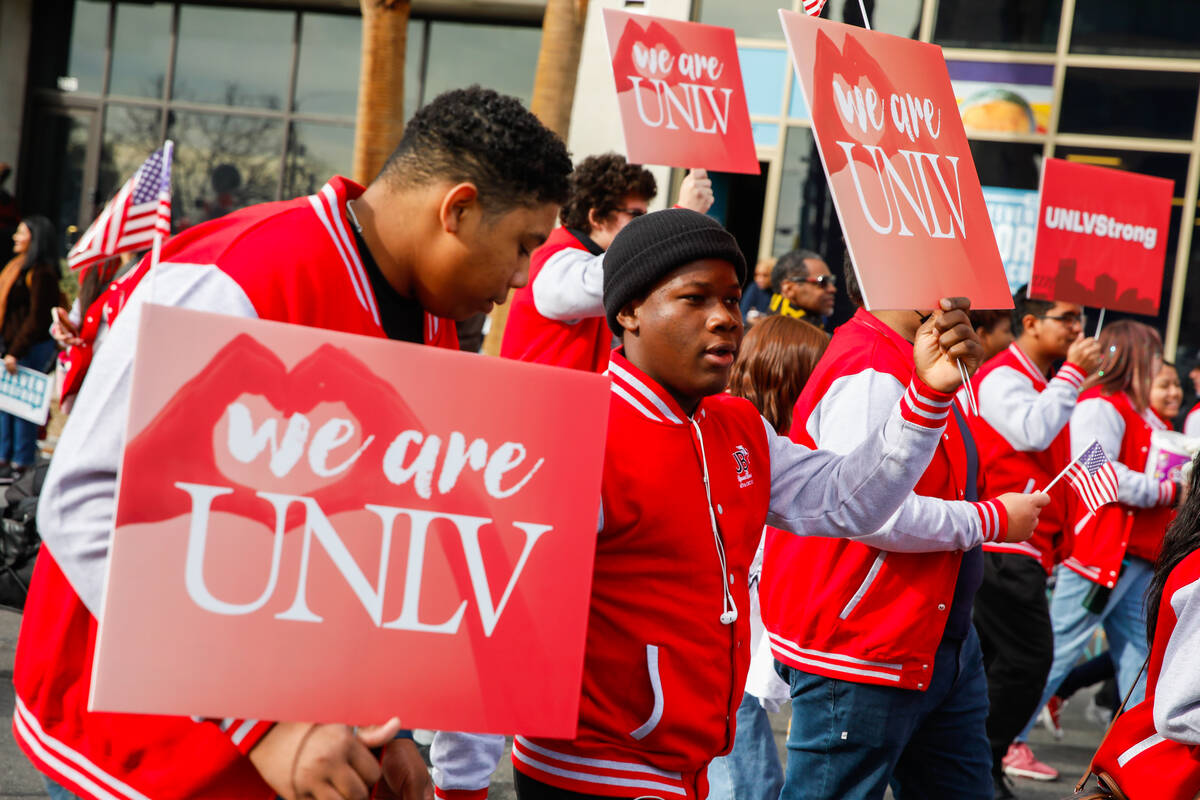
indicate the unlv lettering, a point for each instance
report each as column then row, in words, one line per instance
column 370, row 595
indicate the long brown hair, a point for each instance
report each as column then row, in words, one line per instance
column 1129, row 350
column 775, row 360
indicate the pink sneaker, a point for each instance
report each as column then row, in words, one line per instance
column 1021, row 762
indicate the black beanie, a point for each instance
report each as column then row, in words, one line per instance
column 653, row 245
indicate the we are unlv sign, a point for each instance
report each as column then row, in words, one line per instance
column 326, row 527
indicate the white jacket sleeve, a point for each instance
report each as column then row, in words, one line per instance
column 78, row 502
column 877, row 440
column 1177, row 697
column 570, row 286
column 1096, row 420
column 1026, row 418
column 464, row 762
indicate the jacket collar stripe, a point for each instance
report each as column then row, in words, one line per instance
column 644, row 390
column 67, row 760
column 1038, row 378
column 628, row 398
column 343, row 234
column 787, row 643
column 318, row 204
column 596, row 763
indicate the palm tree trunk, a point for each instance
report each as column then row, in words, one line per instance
column 380, row 85
column 553, row 96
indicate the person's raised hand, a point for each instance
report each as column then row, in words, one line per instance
column 303, row 761
column 1023, row 511
column 696, row 191
column 1085, row 353
column 942, row 341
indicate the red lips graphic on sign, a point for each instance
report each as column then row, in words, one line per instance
column 321, row 526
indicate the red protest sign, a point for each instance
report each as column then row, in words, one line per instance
column 891, row 140
column 1101, row 237
column 326, row 527
column 679, row 87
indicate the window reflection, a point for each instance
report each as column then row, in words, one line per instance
column 316, row 153
column 1160, row 105
column 998, row 24
column 1008, row 164
column 898, row 17
column 752, row 19
column 502, row 57
column 85, row 67
column 1147, row 27
column 327, row 78
column 131, row 134
column 233, row 57
column 799, row 156
column 223, row 162
column 141, row 49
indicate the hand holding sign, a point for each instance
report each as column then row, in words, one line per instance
column 301, row 760
column 696, row 191
column 944, row 340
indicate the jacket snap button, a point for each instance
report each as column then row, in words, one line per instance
column 941, row 606
column 719, row 509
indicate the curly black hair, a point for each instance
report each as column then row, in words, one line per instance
column 602, row 183
column 479, row 136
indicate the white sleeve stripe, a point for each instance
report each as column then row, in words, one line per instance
column 243, row 729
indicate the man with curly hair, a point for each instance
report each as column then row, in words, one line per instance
column 443, row 232
column 559, row 317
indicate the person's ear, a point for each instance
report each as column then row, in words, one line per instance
column 627, row 317
column 595, row 220
column 457, row 202
column 1027, row 322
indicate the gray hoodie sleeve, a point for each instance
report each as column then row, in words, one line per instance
column 1177, row 696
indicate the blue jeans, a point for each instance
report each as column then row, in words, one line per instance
column 18, row 437
column 1124, row 621
column 752, row 770
column 55, row 791
column 849, row 740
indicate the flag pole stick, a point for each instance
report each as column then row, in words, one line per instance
column 1099, row 323
column 972, row 403
column 862, row 7
column 1064, row 472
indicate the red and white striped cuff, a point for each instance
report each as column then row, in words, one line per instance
column 994, row 519
column 924, row 405
column 460, row 794
column 1071, row 374
column 244, row 733
column 1166, row 493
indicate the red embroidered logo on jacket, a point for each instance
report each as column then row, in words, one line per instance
column 741, row 458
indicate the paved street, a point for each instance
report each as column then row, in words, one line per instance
column 19, row 780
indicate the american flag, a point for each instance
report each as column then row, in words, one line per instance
column 138, row 213
column 813, row 7
column 1093, row 478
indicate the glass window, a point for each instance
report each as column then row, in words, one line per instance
column 414, row 59
column 752, row 19
column 1147, row 27
column 999, row 24
column 130, row 135
column 316, row 153
column 1159, row 105
column 502, row 57
column 141, row 49
column 89, row 31
column 327, row 78
column 234, row 57
column 897, row 17
column 222, row 163
column 1189, row 325
column 797, row 109
column 799, row 157
column 766, row 134
column 763, row 72
column 1008, row 164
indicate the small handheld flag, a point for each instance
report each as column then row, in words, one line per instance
column 1092, row 477
column 813, row 7
column 134, row 218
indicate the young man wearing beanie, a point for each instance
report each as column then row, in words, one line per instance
column 690, row 476
column 558, row 318
column 872, row 631
column 442, row 233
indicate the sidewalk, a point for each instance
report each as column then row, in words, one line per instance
column 1070, row 756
